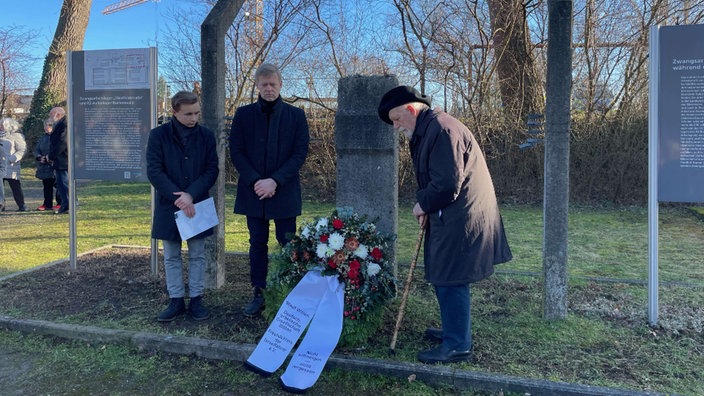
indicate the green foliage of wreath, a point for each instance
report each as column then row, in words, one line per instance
column 350, row 248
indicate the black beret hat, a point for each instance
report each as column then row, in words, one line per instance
column 399, row 96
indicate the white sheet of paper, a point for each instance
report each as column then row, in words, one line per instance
column 206, row 217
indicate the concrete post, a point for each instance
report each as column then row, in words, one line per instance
column 367, row 152
column 212, row 44
column 557, row 159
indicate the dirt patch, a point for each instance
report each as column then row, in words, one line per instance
column 116, row 287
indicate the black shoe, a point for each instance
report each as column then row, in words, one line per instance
column 176, row 307
column 249, row 366
column 256, row 305
column 433, row 334
column 61, row 211
column 441, row 354
column 22, row 208
column 291, row 389
column 197, row 310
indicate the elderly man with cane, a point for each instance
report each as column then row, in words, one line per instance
column 457, row 207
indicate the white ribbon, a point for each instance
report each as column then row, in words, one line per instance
column 318, row 300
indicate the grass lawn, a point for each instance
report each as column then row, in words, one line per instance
column 604, row 341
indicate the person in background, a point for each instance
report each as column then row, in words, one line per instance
column 457, row 206
column 268, row 146
column 44, row 170
column 58, row 156
column 3, row 168
column 15, row 148
column 182, row 165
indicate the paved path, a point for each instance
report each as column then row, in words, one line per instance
column 13, row 366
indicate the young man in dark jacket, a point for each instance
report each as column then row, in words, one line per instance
column 268, row 146
column 456, row 204
column 182, row 165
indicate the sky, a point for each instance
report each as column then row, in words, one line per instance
column 134, row 27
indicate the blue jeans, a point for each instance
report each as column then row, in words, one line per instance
column 259, row 245
column 455, row 315
column 62, row 188
column 173, row 267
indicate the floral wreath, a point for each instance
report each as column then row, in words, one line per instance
column 346, row 246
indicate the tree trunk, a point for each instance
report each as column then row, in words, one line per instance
column 52, row 91
column 557, row 158
column 521, row 91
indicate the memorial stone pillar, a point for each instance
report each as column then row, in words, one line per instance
column 367, row 153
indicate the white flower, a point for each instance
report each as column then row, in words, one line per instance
column 321, row 250
column 361, row 251
column 323, row 222
column 373, row 269
column 306, row 232
column 336, row 241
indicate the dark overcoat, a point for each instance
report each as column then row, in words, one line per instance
column 173, row 167
column 269, row 145
column 58, row 148
column 44, row 169
column 465, row 237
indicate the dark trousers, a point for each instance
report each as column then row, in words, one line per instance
column 17, row 194
column 259, row 245
column 48, row 188
column 455, row 315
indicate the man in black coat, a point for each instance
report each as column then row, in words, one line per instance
column 182, row 165
column 58, row 156
column 456, row 204
column 268, row 146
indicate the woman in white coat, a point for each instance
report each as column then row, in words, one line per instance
column 14, row 146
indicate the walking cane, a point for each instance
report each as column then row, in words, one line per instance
column 406, row 289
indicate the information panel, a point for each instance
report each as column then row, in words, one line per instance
column 681, row 114
column 112, row 112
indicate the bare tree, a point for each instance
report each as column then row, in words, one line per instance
column 266, row 31
column 463, row 65
column 345, row 41
column 52, row 91
column 338, row 44
column 14, row 63
column 521, row 88
column 419, row 25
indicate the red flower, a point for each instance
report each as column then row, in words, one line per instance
column 337, row 224
column 376, row 254
column 324, row 238
column 332, row 264
column 353, row 273
column 355, row 265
